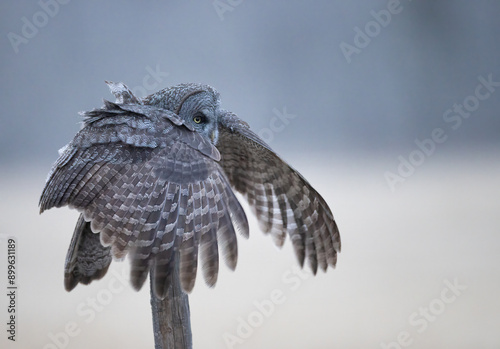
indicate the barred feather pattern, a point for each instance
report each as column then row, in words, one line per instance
column 149, row 184
column 150, row 187
column 87, row 259
column 283, row 201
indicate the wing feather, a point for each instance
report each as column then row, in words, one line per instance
column 161, row 243
column 189, row 246
column 226, row 236
column 209, row 253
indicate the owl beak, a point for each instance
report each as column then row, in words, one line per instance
column 212, row 136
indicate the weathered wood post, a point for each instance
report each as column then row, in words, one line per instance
column 171, row 317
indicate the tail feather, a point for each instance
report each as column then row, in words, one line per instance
column 87, row 260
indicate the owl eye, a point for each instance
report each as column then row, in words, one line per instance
column 199, row 118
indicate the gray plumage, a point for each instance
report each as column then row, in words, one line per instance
column 87, row 259
column 155, row 176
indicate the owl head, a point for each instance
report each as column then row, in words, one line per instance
column 197, row 104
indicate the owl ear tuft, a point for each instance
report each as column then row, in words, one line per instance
column 122, row 93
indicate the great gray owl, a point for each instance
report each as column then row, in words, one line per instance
column 154, row 178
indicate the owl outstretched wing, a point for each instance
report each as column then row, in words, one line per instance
column 150, row 186
column 283, row 201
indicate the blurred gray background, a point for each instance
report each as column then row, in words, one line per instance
column 363, row 84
